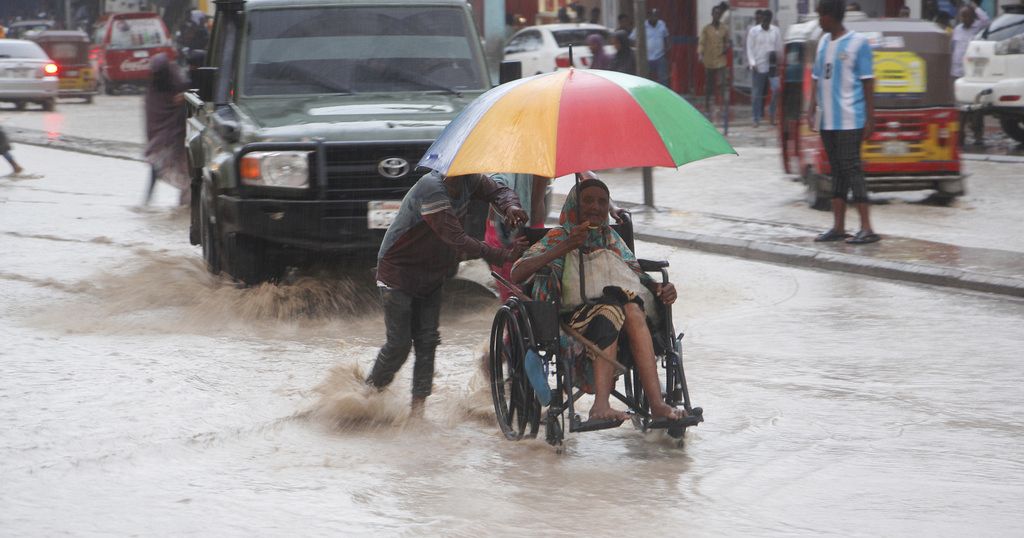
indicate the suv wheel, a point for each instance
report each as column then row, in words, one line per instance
column 248, row 260
column 209, row 236
column 1013, row 126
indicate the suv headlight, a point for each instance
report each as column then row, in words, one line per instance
column 289, row 169
column 1013, row 45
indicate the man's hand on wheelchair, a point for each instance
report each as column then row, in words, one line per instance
column 515, row 216
column 519, row 246
column 666, row 292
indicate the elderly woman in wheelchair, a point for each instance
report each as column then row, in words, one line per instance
column 622, row 302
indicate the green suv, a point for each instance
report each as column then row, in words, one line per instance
column 308, row 121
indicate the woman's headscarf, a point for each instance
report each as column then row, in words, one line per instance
column 602, row 237
column 599, row 59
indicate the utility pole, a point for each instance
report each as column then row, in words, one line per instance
column 643, row 69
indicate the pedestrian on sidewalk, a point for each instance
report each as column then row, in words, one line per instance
column 711, row 50
column 5, row 150
column 421, row 248
column 973, row 20
column 599, row 59
column 657, row 47
column 624, row 61
column 764, row 49
column 843, row 108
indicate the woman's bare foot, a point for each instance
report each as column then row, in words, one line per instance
column 664, row 410
column 605, row 412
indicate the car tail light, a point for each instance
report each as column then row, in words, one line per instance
column 1009, row 98
column 50, row 69
column 562, row 60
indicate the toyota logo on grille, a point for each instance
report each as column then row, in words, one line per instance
column 393, row 167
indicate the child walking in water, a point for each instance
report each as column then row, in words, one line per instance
column 5, row 150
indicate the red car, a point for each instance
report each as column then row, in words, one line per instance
column 124, row 43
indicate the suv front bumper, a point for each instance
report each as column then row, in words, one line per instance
column 316, row 225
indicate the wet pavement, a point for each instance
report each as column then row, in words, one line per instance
column 140, row 395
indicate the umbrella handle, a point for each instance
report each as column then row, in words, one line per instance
column 579, row 222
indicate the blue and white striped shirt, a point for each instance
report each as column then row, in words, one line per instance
column 839, row 68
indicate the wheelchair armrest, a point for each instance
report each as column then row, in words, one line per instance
column 652, row 265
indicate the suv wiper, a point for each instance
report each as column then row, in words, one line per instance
column 316, row 78
column 426, row 83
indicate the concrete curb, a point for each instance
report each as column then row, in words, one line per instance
column 788, row 254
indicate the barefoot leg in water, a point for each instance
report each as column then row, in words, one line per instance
column 640, row 343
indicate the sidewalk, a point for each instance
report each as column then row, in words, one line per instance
column 895, row 257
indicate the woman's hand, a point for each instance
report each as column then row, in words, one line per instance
column 577, row 236
column 666, row 292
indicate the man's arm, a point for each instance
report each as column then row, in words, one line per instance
column 869, row 107
column 504, row 198
column 983, row 17
column 701, row 43
column 751, row 60
column 449, row 229
column 812, row 107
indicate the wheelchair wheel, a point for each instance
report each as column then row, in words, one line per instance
column 515, row 405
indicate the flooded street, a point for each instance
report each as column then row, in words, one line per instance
column 140, row 395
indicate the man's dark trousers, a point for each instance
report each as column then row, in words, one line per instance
column 409, row 322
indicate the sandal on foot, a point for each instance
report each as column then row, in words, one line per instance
column 831, row 235
column 863, row 238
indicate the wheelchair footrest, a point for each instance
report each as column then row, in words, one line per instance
column 594, row 425
column 662, row 423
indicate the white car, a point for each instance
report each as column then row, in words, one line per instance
column 993, row 78
column 27, row 74
column 545, row 48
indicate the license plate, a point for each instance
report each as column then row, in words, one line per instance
column 380, row 215
column 72, row 73
column 979, row 66
column 895, row 147
column 140, row 54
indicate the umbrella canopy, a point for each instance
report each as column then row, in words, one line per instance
column 569, row 121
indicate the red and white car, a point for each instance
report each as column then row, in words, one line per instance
column 124, row 43
column 545, row 48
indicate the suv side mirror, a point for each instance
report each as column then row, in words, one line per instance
column 510, row 70
column 202, row 80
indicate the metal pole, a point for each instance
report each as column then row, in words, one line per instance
column 643, row 69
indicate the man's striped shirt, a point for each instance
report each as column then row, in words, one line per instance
column 840, row 67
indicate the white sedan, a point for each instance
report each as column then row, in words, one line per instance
column 545, row 48
column 27, row 74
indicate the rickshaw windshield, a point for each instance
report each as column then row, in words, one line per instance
column 67, row 53
column 911, row 65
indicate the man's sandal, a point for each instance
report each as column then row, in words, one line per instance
column 863, row 238
column 831, row 235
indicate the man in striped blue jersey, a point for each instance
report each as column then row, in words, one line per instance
column 843, row 107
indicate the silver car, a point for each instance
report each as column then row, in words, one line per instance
column 27, row 74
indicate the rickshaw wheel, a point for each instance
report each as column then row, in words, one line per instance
column 88, row 99
column 49, row 105
column 515, row 406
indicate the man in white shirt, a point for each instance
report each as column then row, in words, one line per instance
column 657, row 47
column 764, row 50
column 972, row 21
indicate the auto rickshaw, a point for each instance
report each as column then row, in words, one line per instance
column 915, row 144
column 70, row 51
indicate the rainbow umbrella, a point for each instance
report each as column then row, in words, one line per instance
column 570, row 121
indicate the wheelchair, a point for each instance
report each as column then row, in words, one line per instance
column 523, row 327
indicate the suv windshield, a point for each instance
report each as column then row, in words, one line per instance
column 360, row 49
column 1003, row 27
column 577, row 37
